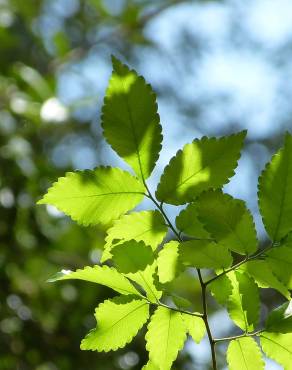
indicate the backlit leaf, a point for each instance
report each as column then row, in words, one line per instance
column 118, row 321
column 195, row 327
column 278, row 347
column 146, row 226
column 95, row 196
column 130, row 120
column 103, row 275
column 165, row 337
column 167, row 262
column 280, row 261
column 205, row 163
column 188, row 223
column 275, row 192
column 244, row 354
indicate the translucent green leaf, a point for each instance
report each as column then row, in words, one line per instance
column 130, row 120
column 243, row 304
column 221, row 289
column 264, row 277
column 204, row 254
column 118, row 321
column 195, row 327
column 188, row 223
column 228, row 221
column 278, row 347
column 280, row 319
column 167, row 262
column 165, row 337
column 103, row 275
column 205, row 163
column 244, row 354
column 146, row 279
column 275, row 192
column 146, row 226
column 150, row 366
column 180, row 302
column 95, row 196
column 132, row 256
column 280, row 261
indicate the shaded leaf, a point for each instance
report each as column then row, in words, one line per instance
column 204, row 254
column 132, row 256
column 228, row 221
column 280, row 319
column 280, row 261
column 264, row 277
column 187, row 222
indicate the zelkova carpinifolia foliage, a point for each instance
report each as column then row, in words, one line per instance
column 209, row 233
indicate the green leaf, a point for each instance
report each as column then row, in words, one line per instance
column 132, row 256
column 280, row 319
column 146, row 279
column 95, row 196
column 228, row 221
column 188, row 223
column 102, row 275
column 278, row 347
column 203, row 164
column 275, row 192
column 150, row 366
column 280, row 261
column 167, row 262
column 244, row 354
column 146, row 226
column 118, row 321
column 195, row 327
column 243, row 304
column 262, row 273
column 221, row 289
column 180, row 302
column 204, row 254
column 130, row 120
column 165, row 337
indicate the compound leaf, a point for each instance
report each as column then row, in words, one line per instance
column 132, row 256
column 205, row 163
column 165, row 337
column 130, row 120
column 280, row 261
column 146, row 226
column 228, row 221
column 95, row 196
column 150, row 366
column 243, row 304
column 278, row 347
column 102, row 275
column 195, row 327
column 118, row 321
column 262, row 273
column 204, row 254
column 167, row 262
column 244, row 354
column 275, row 192
column 188, row 223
